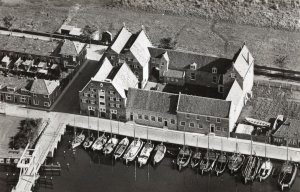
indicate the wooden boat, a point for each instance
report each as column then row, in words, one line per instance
column 78, row 140
column 235, row 162
column 250, row 168
column 265, row 170
column 145, row 153
column 287, row 175
column 208, row 162
column 110, row 145
column 183, row 157
column 88, row 141
column 257, row 122
column 159, row 153
column 196, row 158
column 121, row 147
column 133, row 150
column 99, row 143
column 221, row 163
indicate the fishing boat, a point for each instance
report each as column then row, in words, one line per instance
column 236, row 160
column 208, row 162
column 121, row 147
column 145, row 153
column 78, row 140
column 133, row 150
column 257, row 122
column 265, row 170
column 159, row 153
column 183, row 157
column 287, row 175
column 99, row 143
column 221, row 163
column 88, row 141
column 110, row 145
column 196, row 158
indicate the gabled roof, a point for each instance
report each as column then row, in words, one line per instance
column 289, row 129
column 104, row 70
column 123, row 79
column 182, row 60
column 68, row 48
column 235, row 93
column 174, row 74
column 121, row 40
column 203, row 106
column 44, row 87
column 139, row 48
column 243, row 61
column 152, row 101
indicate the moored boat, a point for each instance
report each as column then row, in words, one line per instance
column 235, row 162
column 89, row 141
column 133, row 150
column 287, row 175
column 208, row 162
column 110, row 145
column 145, row 153
column 196, row 158
column 265, row 170
column 99, row 143
column 258, row 122
column 121, row 147
column 221, row 163
column 250, row 168
column 78, row 140
column 159, row 153
column 183, row 157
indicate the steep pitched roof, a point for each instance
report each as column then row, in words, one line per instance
column 68, row 48
column 235, row 93
column 243, row 60
column 139, row 48
column 174, row 73
column 152, row 101
column 104, row 70
column 121, row 40
column 44, row 87
column 123, row 79
column 203, row 106
column 182, row 60
column 289, row 129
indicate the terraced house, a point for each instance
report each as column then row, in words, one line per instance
column 105, row 95
column 132, row 49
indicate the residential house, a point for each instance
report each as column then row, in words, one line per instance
column 106, row 93
column 73, row 54
column 132, row 49
column 152, row 108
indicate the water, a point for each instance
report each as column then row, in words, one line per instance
column 93, row 172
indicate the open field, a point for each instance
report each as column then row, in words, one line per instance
column 205, row 36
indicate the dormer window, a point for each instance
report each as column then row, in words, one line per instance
column 233, row 75
column 214, row 70
column 193, row 66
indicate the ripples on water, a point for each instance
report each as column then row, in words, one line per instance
column 90, row 171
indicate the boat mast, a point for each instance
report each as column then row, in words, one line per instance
column 251, row 146
column 98, row 125
column 265, row 150
column 110, row 126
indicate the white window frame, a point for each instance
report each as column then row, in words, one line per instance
column 160, row 119
column 193, row 76
column 83, row 100
column 35, row 102
column 111, row 99
column 118, row 99
column 111, row 92
column 200, row 126
column 182, row 123
column 118, row 105
column 86, row 94
column 91, row 108
column 23, row 99
column 8, row 97
column 102, row 110
column 233, row 75
column 172, row 121
column 218, row 128
column 93, row 102
column 152, row 117
column 218, row 120
column 214, row 70
column 191, row 124
column 146, row 119
column 111, row 104
column 101, row 103
column 215, row 79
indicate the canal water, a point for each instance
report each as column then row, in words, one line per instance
column 88, row 171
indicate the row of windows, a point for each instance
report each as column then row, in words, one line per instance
column 153, row 118
column 208, row 119
column 172, row 79
column 200, row 126
column 23, row 99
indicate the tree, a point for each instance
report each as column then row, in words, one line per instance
column 167, row 43
column 8, row 21
column 88, row 31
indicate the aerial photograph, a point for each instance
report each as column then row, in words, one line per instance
column 149, row 95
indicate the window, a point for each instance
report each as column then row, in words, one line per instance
column 140, row 116
column 93, row 95
column 23, row 99
column 112, row 105
column 172, row 121
column 200, row 126
column 102, row 110
column 187, row 116
column 153, row 118
column 225, row 129
column 112, row 57
column 208, row 119
column 113, row 111
column 221, row 89
column 218, row 120
column 46, row 96
column 102, row 97
column 232, row 75
column 182, row 123
column 159, row 119
column 118, row 105
column 193, row 76
column 66, row 63
column 8, row 97
column 214, row 70
column 83, row 100
column 92, row 102
column 117, row 99
column 111, row 98
column 146, row 117
column 193, row 66
column 35, row 102
column 46, row 104
column 198, row 117
column 214, row 79
column 86, row 94
column 218, row 128
column 192, row 124
column 111, row 92
column 135, row 66
column 212, row 128
column 102, row 103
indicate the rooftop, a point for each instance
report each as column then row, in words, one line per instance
column 152, row 101
column 203, row 106
column 72, row 48
column 121, row 39
column 44, row 87
column 15, row 82
column 28, row 45
column 104, row 71
column 174, row 74
column 289, row 129
column 183, row 59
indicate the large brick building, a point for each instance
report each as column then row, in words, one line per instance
column 105, row 95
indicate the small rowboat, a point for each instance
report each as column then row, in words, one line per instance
column 159, row 153
column 145, row 153
column 196, row 158
column 121, row 147
column 183, row 157
column 78, row 140
column 99, row 143
column 221, row 163
column 88, row 142
column 133, row 150
column 287, row 175
column 257, row 122
column 235, row 162
column 265, row 170
column 110, row 145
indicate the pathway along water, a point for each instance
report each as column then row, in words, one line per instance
column 88, row 171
